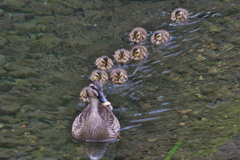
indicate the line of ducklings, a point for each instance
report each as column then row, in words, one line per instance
column 138, row 52
column 97, row 121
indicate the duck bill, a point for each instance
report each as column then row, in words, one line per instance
column 174, row 18
column 103, row 99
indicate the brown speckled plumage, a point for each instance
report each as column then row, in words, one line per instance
column 160, row 36
column 104, row 63
column 179, row 14
column 139, row 52
column 138, row 35
column 118, row 75
column 96, row 122
column 122, row 56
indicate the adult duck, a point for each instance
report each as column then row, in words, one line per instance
column 96, row 123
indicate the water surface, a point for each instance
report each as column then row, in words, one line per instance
column 187, row 88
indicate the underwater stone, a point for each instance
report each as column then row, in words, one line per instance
column 19, row 17
column 9, row 142
column 60, row 9
column 153, row 139
column 12, row 5
column 9, row 109
column 19, row 71
column 216, row 28
column 45, row 19
column 11, row 66
column 49, row 41
column 23, row 72
column 2, row 41
column 26, row 28
column 2, row 72
column 5, row 86
column 41, row 9
column 226, row 47
column 6, row 153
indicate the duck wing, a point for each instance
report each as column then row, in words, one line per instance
column 110, row 119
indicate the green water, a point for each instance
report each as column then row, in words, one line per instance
column 187, row 89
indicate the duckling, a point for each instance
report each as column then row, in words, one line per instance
column 99, row 75
column 138, row 35
column 118, row 75
column 104, row 63
column 122, row 56
column 139, row 52
column 96, row 123
column 83, row 95
column 179, row 14
column 160, row 36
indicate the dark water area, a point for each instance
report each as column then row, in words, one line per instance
column 186, row 89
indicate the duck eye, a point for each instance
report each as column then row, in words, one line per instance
column 136, row 53
column 98, row 76
column 103, row 62
column 179, row 15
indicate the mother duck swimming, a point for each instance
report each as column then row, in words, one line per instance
column 96, row 122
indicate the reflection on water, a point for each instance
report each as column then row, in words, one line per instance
column 94, row 150
column 48, row 50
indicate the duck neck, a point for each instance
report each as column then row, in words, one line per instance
column 94, row 105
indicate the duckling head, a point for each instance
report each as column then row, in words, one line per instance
column 157, row 37
column 119, row 76
column 136, row 53
column 136, row 36
column 83, row 95
column 122, row 56
column 177, row 15
column 104, row 63
column 100, row 76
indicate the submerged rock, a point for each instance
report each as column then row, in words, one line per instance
column 2, row 40
column 226, row 47
column 9, row 109
column 26, row 28
column 19, row 71
column 41, row 9
column 12, row 5
column 2, row 72
column 23, row 72
column 49, row 41
column 216, row 28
